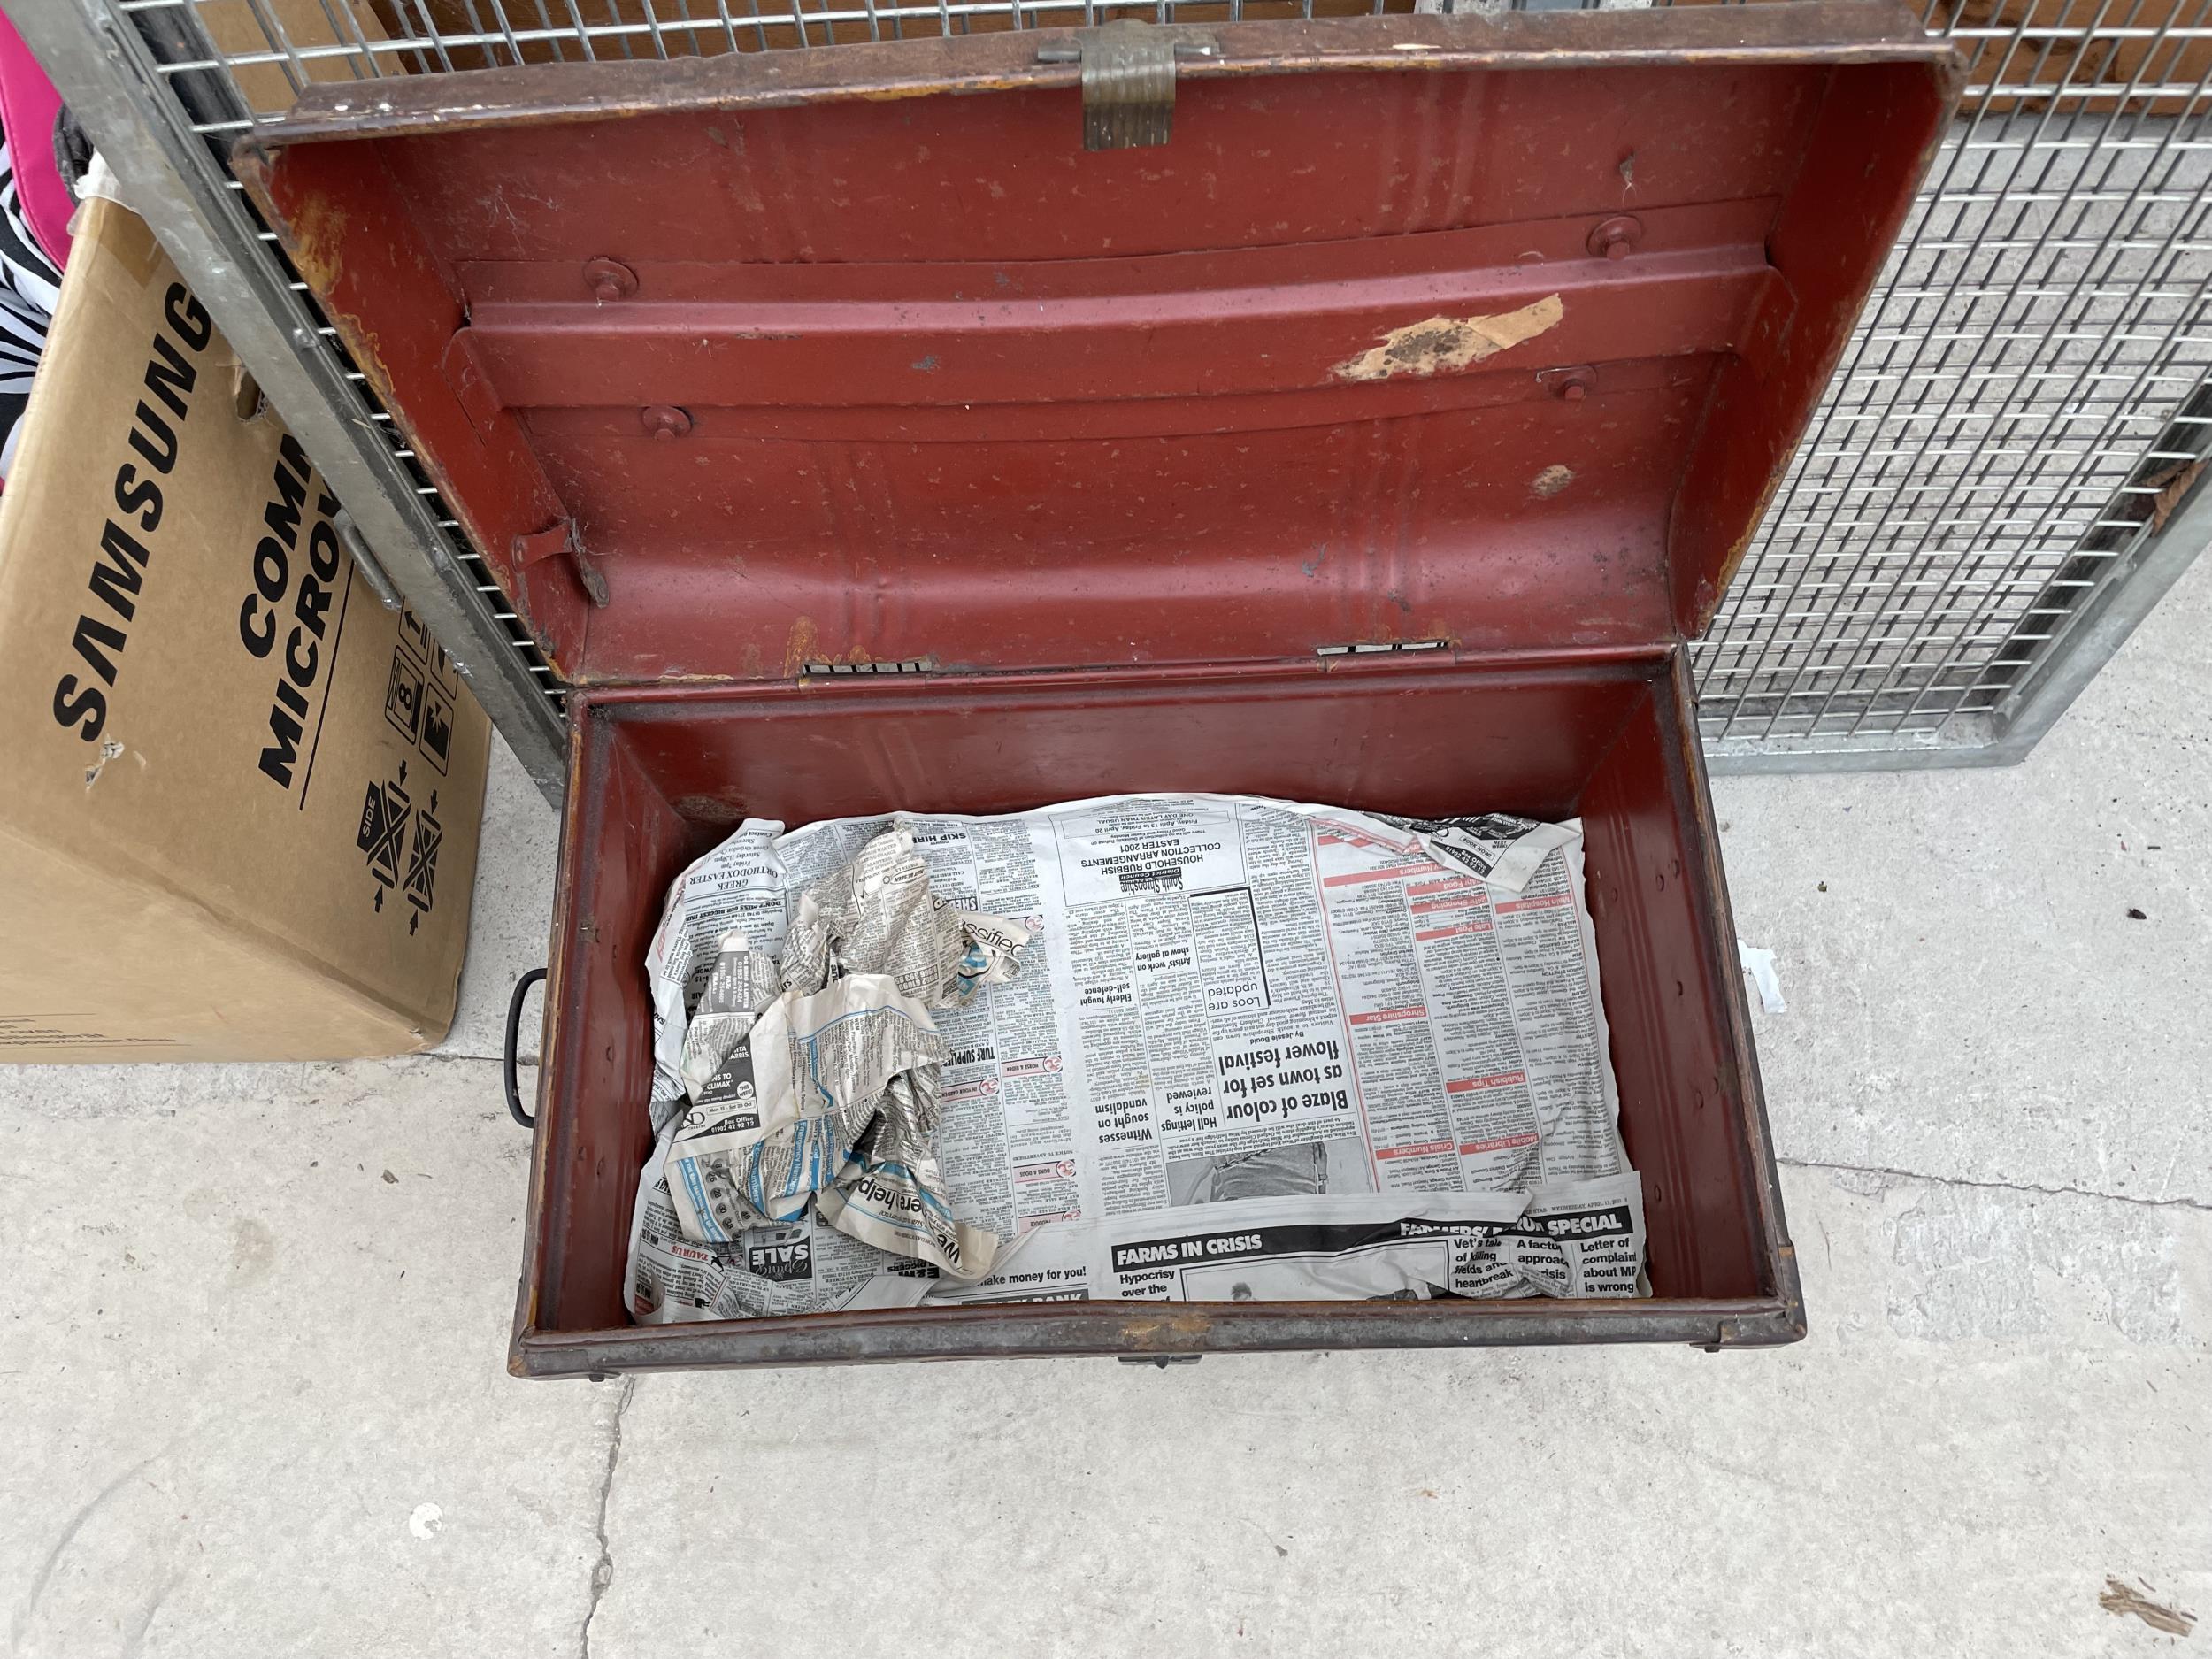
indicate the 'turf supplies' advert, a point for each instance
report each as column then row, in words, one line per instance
column 243, row 797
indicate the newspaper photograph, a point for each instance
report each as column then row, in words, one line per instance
column 1196, row 1003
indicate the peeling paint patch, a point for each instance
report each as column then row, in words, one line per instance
column 318, row 232
column 1965, row 1269
column 1551, row 480
column 1156, row 1331
column 801, row 647
column 1976, row 1264
column 1445, row 344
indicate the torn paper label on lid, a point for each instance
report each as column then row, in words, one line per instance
column 1438, row 345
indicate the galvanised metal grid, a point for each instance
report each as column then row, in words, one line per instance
column 2013, row 417
column 2019, row 413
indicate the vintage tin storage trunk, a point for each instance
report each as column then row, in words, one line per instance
column 1378, row 438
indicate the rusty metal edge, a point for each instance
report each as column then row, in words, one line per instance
column 1766, row 1184
column 580, row 805
column 1306, row 676
column 1807, row 32
column 1146, row 1331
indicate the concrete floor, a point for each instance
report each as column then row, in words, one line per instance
column 254, row 1343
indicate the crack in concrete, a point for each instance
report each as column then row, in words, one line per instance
column 603, row 1570
column 1997, row 1186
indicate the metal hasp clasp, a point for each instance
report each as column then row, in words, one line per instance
column 1129, row 79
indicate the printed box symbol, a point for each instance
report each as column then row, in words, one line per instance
column 414, row 636
column 422, row 860
column 402, row 697
column 385, row 813
column 423, row 647
column 437, row 728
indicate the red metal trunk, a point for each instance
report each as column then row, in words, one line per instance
column 1473, row 346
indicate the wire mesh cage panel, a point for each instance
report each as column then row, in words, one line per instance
column 2020, row 414
column 2018, row 411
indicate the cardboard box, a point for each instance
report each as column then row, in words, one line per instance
column 242, row 798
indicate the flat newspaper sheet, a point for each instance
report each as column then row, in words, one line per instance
column 1254, row 1049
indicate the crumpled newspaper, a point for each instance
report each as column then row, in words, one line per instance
column 877, row 915
column 816, row 1076
column 739, row 990
column 1500, row 850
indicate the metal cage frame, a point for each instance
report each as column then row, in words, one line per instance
column 2004, row 478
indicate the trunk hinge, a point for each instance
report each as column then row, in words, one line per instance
column 1381, row 648
column 843, row 670
column 562, row 541
column 1128, row 79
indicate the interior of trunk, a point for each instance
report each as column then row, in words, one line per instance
column 662, row 775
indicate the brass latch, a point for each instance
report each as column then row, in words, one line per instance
column 1129, row 79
